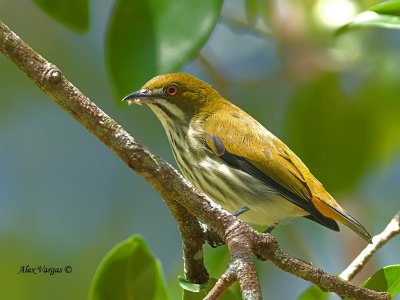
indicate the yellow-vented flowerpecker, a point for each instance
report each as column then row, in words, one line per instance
column 233, row 159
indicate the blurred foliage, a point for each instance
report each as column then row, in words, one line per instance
column 313, row 293
column 329, row 92
column 384, row 14
column 162, row 43
column 337, row 118
column 390, row 7
column 72, row 13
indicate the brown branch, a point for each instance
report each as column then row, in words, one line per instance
column 241, row 266
column 239, row 244
column 183, row 200
column 49, row 79
column 193, row 239
column 315, row 275
column 222, row 284
column 391, row 230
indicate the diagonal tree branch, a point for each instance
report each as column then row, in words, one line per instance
column 50, row 79
column 183, row 200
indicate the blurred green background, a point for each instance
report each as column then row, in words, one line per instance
column 65, row 199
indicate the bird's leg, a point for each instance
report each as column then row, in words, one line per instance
column 269, row 229
column 244, row 209
column 211, row 237
column 240, row 211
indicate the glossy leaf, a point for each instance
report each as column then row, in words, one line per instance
column 382, row 15
column 149, row 37
column 128, row 271
column 73, row 14
column 371, row 19
column 386, row 279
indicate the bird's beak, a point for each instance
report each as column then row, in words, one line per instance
column 143, row 96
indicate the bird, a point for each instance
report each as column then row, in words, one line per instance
column 228, row 155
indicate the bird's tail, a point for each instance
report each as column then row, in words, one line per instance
column 339, row 214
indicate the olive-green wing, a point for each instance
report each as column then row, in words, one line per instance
column 245, row 144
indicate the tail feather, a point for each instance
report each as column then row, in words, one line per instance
column 343, row 217
column 353, row 224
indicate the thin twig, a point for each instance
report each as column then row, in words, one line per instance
column 223, row 283
column 391, row 230
column 315, row 275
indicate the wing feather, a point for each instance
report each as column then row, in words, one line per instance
column 261, row 148
column 262, row 155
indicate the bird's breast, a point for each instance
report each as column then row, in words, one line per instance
column 229, row 187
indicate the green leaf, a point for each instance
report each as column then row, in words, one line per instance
column 227, row 295
column 371, row 19
column 73, row 14
column 382, row 15
column 189, row 286
column 387, row 7
column 313, row 293
column 251, row 11
column 386, row 279
column 128, row 271
column 149, row 37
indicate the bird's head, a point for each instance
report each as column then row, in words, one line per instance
column 176, row 97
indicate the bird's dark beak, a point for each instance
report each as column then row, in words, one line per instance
column 142, row 96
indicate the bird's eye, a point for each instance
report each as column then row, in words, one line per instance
column 172, row 90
